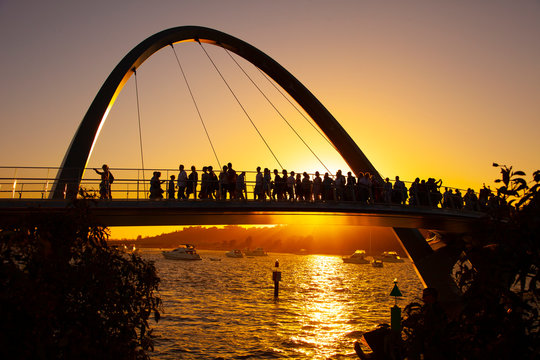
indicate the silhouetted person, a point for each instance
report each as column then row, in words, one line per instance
column 434, row 191
column 362, row 188
column 267, row 184
column 399, row 192
column 258, row 190
column 387, row 191
column 298, row 187
column 422, row 193
column 306, row 187
column 283, row 185
column 376, row 189
column 231, row 178
column 448, row 202
column 317, row 187
column 182, row 182
column 413, row 192
column 371, row 180
column 241, row 186
column 276, row 192
column 290, row 186
column 203, row 192
column 339, row 184
column 171, row 188
column 458, row 200
column 212, row 183
column 156, row 192
column 192, row 180
column 471, row 201
column 107, row 179
column 327, row 184
column 223, row 183
column 350, row 191
column 483, row 197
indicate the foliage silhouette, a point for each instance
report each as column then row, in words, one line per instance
column 65, row 294
column 498, row 318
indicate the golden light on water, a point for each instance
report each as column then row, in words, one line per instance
column 323, row 309
column 324, row 315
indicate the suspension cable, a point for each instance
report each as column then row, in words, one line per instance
column 275, row 108
column 297, row 109
column 239, row 103
column 195, row 104
column 139, row 119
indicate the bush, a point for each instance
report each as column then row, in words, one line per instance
column 65, row 294
column 499, row 314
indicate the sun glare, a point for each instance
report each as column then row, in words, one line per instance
column 323, row 307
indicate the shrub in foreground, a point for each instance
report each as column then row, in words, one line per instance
column 65, row 294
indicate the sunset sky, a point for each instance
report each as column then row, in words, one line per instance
column 426, row 88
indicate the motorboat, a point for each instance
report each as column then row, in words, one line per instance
column 235, row 253
column 377, row 263
column 257, row 252
column 358, row 257
column 130, row 249
column 390, row 257
column 183, row 252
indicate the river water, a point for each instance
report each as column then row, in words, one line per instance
column 226, row 309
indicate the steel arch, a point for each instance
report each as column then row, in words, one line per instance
column 76, row 158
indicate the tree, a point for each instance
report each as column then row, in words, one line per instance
column 499, row 314
column 65, row 294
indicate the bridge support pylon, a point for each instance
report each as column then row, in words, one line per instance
column 434, row 267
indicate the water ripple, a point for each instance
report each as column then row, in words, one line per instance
column 226, row 309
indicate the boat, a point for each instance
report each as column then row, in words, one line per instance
column 358, row 257
column 257, row 252
column 235, row 253
column 376, row 263
column 131, row 249
column 215, row 259
column 183, row 252
column 390, row 257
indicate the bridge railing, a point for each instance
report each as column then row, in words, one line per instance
column 134, row 184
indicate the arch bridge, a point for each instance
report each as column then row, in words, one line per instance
column 433, row 265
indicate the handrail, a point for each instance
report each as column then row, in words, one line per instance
column 24, row 183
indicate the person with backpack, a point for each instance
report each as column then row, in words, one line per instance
column 107, row 179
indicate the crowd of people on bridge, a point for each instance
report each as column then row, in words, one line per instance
column 291, row 186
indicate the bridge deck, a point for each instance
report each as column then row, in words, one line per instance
column 208, row 212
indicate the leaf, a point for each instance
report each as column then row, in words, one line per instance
column 518, row 173
column 519, row 180
column 505, row 176
column 498, row 180
column 523, row 199
column 495, row 164
column 521, row 187
column 536, row 176
column 512, row 192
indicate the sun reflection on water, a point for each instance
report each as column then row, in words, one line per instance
column 324, row 314
column 226, row 308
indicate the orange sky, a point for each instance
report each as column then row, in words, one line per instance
column 425, row 88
